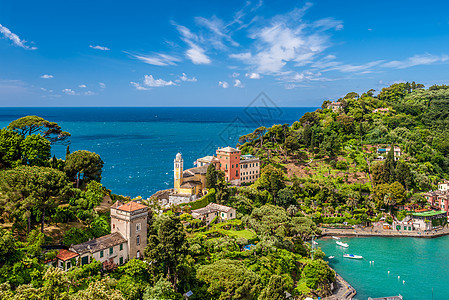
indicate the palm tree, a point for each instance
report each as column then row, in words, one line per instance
column 353, row 199
column 389, row 200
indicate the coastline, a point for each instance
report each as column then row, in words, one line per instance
column 343, row 290
column 384, row 233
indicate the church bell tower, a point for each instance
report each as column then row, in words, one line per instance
column 179, row 166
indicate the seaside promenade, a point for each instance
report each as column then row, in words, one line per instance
column 342, row 289
column 380, row 232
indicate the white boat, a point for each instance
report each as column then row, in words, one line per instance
column 352, row 256
column 315, row 243
column 342, row 244
column 330, row 257
column 335, row 237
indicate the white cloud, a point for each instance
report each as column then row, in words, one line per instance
column 82, row 86
column 149, row 82
column 185, row 78
column 102, row 85
column 69, row 92
column 218, row 33
column 348, row 68
column 287, row 40
column 252, row 75
column 223, row 84
column 157, row 59
column 235, row 75
column 416, row 60
column 238, row 83
column 138, row 86
column 46, row 76
column 14, row 38
column 99, row 48
column 195, row 53
column 89, row 93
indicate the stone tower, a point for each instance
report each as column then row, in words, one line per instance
column 130, row 219
column 178, row 168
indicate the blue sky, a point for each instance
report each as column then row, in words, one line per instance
column 215, row 53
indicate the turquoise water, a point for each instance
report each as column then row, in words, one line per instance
column 421, row 263
column 138, row 144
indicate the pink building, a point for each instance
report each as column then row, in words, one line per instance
column 229, row 162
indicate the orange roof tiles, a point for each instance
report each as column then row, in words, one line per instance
column 131, row 206
column 66, row 255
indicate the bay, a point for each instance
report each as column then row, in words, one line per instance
column 138, row 144
column 416, row 266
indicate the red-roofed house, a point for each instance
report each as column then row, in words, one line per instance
column 66, row 259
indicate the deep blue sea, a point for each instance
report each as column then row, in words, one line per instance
column 138, row 144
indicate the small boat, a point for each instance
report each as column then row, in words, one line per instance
column 315, row 243
column 335, row 237
column 330, row 257
column 342, row 244
column 352, row 256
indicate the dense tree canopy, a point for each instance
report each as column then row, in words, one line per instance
column 31, row 125
column 84, row 165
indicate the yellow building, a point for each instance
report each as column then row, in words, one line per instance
column 191, row 181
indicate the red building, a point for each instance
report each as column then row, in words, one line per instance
column 229, row 162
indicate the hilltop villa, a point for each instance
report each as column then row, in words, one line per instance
column 127, row 240
column 212, row 211
column 384, row 152
column 335, row 106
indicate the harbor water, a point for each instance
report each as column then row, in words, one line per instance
column 416, row 268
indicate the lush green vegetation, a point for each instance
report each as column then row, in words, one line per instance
column 330, row 162
column 322, row 170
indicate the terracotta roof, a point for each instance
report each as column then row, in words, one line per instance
column 66, row 254
column 131, row 206
column 116, row 204
column 100, row 243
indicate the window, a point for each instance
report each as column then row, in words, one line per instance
column 111, row 250
column 232, row 166
column 230, row 215
column 113, row 226
column 101, row 253
column 121, row 260
column 138, row 240
column 69, row 265
column 121, row 247
column 138, row 254
column 84, row 260
column 61, row 265
column 138, row 227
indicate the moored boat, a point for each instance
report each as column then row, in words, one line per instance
column 315, row 243
column 342, row 244
column 335, row 237
column 352, row 256
column 330, row 257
